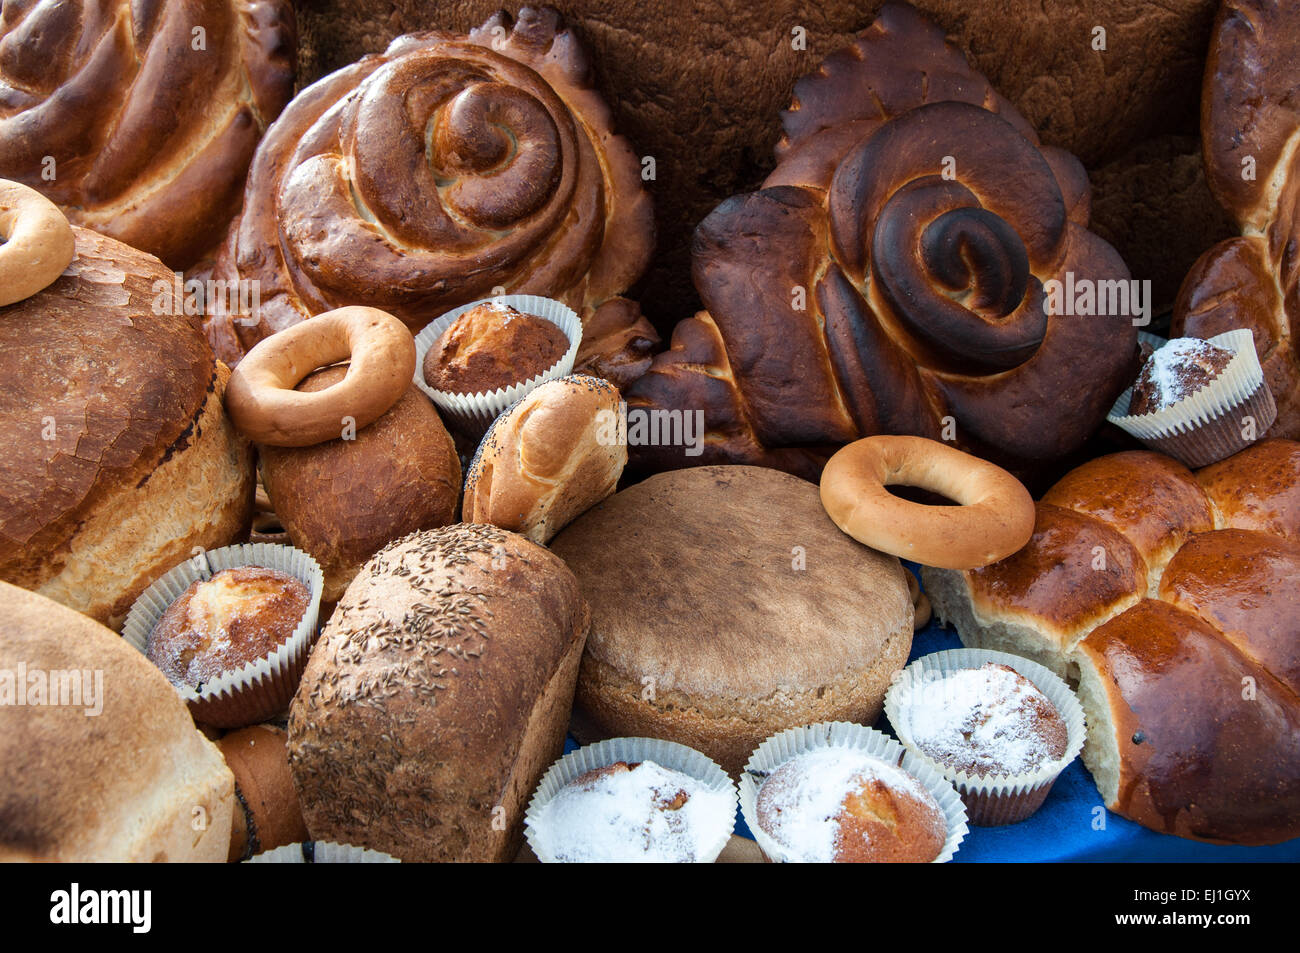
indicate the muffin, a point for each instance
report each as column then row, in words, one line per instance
column 844, row 806
column 1199, row 401
column 638, row 812
column 220, row 624
column 998, row 727
column 987, row 720
column 490, row 347
column 1175, row 372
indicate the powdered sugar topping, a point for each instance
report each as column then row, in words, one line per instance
column 1166, row 369
column 637, row 815
column 799, row 803
column 988, row 721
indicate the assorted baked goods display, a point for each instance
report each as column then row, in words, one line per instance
column 384, row 541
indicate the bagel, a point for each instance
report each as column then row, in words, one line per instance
column 38, row 243
column 993, row 519
column 380, row 352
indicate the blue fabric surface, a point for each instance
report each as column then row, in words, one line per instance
column 1063, row 828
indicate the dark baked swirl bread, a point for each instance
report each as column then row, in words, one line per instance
column 1250, row 120
column 891, row 274
column 140, row 118
column 423, row 178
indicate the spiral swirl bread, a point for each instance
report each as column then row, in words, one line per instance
column 1250, row 134
column 426, row 177
column 1170, row 596
column 113, row 111
column 891, row 274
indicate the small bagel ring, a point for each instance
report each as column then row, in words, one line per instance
column 38, row 244
column 261, row 399
column 995, row 517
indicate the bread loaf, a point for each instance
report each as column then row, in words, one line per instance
column 267, row 815
column 726, row 606
column 549, row 458
column 104, row 764
column 438, row 694
column 140, row 119
column 430, row 175
column 906, row 269
column 1170, row 598
column 119, row 458
column 342, row 500
column 1249, row 124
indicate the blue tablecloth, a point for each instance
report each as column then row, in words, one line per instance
column 1063, row 828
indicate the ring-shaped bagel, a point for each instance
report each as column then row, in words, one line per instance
column 994, row 518
column 380, row 351
column 38, row 242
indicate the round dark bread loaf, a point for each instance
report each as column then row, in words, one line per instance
column 726, row 606
column 1170, row 598
column 437, row 695
column 119, row 458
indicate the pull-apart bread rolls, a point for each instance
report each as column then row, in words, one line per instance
column 438, row 695
column 1250, row 124
column 427, row 176
column 106, row 765
column 118, row 457
column 1170, row 597
column 892, row 277
column 140, row 119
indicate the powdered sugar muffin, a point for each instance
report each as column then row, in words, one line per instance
column 638, row 812
column 844, row 806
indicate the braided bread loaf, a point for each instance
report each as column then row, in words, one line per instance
column 1250, row 126
column 140, row 119
column 1170, row 598
column 890, row 275
column 427, row 176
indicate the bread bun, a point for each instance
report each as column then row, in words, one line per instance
column 342, row 500
column 726, row 606
column 424, row 177
column 119, row 458
column 547, row 459
column 115, row 771
column 437, row 696
column 149, row 112
column 267, row 814
column 1170, row 599
column 895, row 275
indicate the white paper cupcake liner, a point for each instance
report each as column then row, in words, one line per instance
column 666, row 754
column 321, row 852
column 474, row 413
column 991, row 800
column 263, row 688
column 1207, row 426
column 792, row 742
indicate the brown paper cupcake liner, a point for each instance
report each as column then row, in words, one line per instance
column 1208, row 426
column 263, row 688
column 991, row 800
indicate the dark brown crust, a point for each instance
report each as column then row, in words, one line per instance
column 1258, row 489
column 892, row 276
column 1202, row 755
column 271, row 605
column 151, row 138
column 438, row 692
column 341, row 501
column 482, row 351
column 566, row 216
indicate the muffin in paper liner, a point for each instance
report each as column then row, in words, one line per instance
column 263, row 688
column 666, row 754
column 991, row 800
column 1207, row 426
column 789, row 744
column 322, row 852
column 473, row 413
